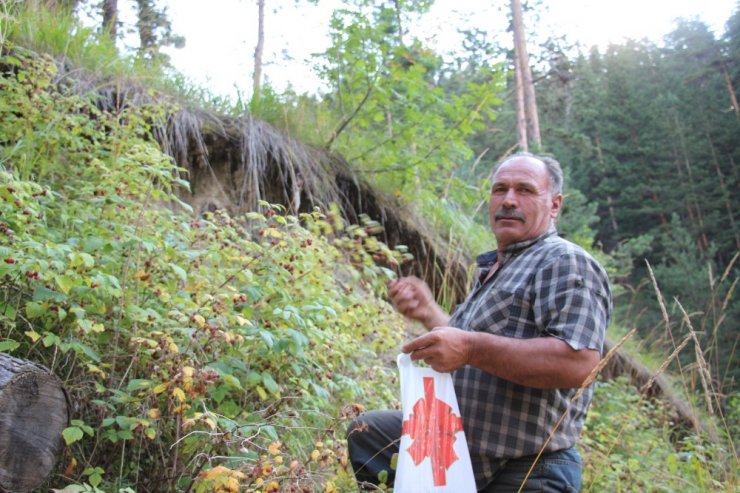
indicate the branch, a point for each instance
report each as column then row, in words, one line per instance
column 348, row 119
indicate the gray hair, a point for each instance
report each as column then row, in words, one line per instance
column 554, row 171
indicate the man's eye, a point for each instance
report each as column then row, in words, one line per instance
column 498, row 189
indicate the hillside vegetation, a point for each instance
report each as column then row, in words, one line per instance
column 225, row 353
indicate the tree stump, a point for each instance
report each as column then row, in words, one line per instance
column 33, row 413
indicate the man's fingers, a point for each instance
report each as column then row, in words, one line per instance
column 418, row 344
column 407, row 305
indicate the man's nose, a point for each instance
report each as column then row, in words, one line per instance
column 510, row 199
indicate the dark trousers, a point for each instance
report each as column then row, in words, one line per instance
column 373, row 438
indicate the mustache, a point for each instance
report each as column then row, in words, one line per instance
column 509, row 214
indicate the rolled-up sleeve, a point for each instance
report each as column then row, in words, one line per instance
column 573, row 301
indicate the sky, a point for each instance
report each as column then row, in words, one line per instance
column 220, row 38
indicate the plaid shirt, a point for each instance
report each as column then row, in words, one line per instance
column 545, row 287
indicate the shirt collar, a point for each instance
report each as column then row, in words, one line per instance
column 489, row 258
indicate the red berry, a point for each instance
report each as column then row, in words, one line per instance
column 9, row 260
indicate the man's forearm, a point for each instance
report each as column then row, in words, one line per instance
column 542, row 362
column 436, row 318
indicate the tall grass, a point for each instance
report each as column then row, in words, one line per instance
column 632, row 442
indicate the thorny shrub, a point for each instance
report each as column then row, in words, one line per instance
column 201, row 354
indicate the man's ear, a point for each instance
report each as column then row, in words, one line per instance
column 556, row 205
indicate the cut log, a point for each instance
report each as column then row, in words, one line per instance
column 33, row 413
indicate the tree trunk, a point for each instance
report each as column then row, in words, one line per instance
column 522, row 65
column 110, row 18
column 258, row 50
column 33, row 413
column 147, row 24
column 609, row 200
column 521, row 116
column 702, row 241
column 730, row 90
column 397, row 5
column 725, row 193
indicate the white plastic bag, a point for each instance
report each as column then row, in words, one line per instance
column 433, row 454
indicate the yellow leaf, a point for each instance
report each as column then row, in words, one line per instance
column 261, row 392
column 154, row 413
column 188, row 371
column 98, row 328
column 211, row 424
column 274, row 448
column 160, row 388
column 181, row 408
column 35, row 336
column 70, row 470
column 173, row 347
column 151, row 433
column 177, row 392
column 315, row 455
column 232, row 485
column 215, row 472
column 200, row 321
column 95, row 370
column 243, row 321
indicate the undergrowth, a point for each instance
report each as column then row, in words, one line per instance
column 203, row 354
column 631, row 444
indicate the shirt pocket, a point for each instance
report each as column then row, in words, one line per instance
column 506, row 313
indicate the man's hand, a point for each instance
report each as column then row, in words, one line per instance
column 445, row 348
column 413, row 299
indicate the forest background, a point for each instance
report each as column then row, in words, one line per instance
column 227, row 386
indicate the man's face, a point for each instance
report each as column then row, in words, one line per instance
column 521, row 205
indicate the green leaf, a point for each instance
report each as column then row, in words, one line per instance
column 232, row 381
column 7, row 310
column 9, row 345
column 93, row 243
column 125, row 435
column 253, row 378
column 35, row 310
column 95, row 480
column 180, row 272
column 81, row 258
column 383, row 476
column 86, row 350
column 270, row 383
column 138, row 384
column 11, row 60
column 65, row 283
column 73, row 488
column 43, row 293
column 72, row 434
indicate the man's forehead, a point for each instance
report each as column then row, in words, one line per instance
column 523, row 168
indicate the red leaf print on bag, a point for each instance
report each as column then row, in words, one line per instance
column 432, row 426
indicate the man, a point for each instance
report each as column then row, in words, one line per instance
column 521, row 344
